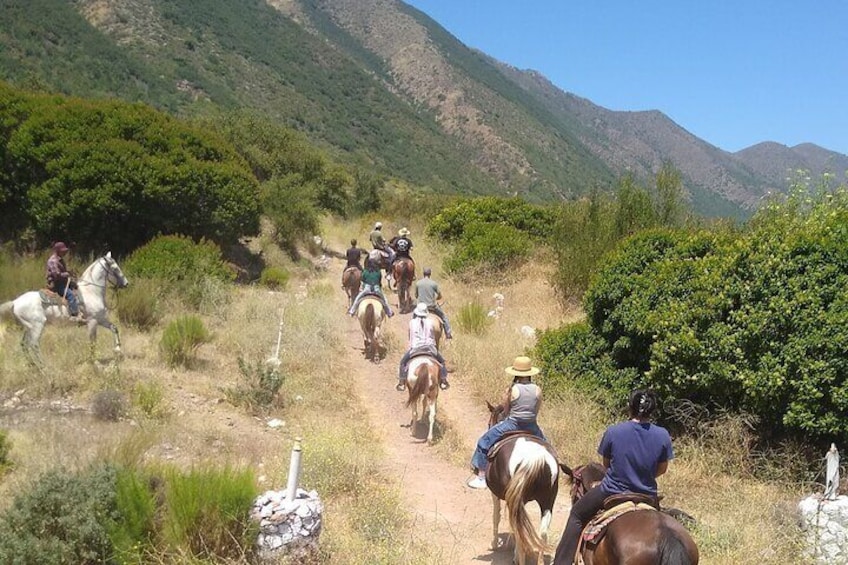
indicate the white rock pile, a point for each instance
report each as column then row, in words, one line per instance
column 825, row 523
column 287, row 528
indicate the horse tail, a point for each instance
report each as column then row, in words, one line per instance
column 370, row 320
column 527, row 539
column 422, row 383
column 672, row 550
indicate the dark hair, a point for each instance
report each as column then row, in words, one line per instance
column 353, row 243
column 642, row 403
column 427, row 272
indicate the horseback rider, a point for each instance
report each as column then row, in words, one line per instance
column 401, row 244
column 354, row 256
column 422, row 341
column 427, row 291
column 635, row 453
column 524, row 399
column 59, row 280
column 371, row 285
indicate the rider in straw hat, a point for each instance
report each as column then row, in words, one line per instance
column 421, row 342
column 524, row 398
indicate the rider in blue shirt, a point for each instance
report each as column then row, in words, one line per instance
column 635, row 453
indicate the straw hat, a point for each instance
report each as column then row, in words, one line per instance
column 378, row 225
column 420, row 310
column 522, row 367
column 403, row 232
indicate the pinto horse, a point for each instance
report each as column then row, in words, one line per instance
column 522, row 468
column 33, row 312
column 639, row 537
column 403, row 275
column 351, row 279
column 371, row 315
column 422, row 382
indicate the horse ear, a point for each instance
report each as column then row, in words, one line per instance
column 108, row 254
column 491, row 408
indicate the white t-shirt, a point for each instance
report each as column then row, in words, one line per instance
column 421, row 333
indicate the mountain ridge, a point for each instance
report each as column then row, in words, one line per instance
column 378, row 82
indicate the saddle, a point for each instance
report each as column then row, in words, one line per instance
column 493, row 452
column 615, row 506
column 50, row 298
column 422, row 352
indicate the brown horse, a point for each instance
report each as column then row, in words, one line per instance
column 422, row 382
column 371, row 315
column 522, row 468
column 639, row 537
column 351, row 279
column 437, row 328
column 403, row 275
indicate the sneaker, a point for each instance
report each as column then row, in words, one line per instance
column 477, row 482
column 449, row 336
column 400, row 387
column 444, row 385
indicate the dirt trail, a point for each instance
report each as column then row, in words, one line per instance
column 457, row 519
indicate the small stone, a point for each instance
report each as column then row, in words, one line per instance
column 276, row 423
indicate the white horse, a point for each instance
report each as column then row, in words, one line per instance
column 32, row 312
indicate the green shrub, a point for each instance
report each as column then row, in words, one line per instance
column 454, row 221
column 5, row 452
column 148, row 397
column 181, row 339
column 207, row 512
column 62, row 518
column 274, row 277
column 755, row 322
column 259, row 385
column 138, row 305
column 177, row 258
column 109, row 405
column 132, row 535
column 488, row 248
column 473, row 318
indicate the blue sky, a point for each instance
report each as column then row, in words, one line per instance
column 732, row 73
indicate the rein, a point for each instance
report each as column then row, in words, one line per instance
column 81, row 280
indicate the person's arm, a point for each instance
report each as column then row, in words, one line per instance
column 507, row 399
column 607, row 462
column 662, row 468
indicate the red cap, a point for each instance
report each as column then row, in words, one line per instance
column 59, row 246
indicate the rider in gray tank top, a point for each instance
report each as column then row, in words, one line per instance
column 524, row 408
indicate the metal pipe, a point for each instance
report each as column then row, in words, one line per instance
column 294, row 470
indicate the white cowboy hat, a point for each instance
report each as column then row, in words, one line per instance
column 522, row 367
column 378, row 225
column 420, row 310
column 403, row 231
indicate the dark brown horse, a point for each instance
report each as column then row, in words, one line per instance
column 351, row 279
column 403, row 274
column 640, row 537
column 522, row 468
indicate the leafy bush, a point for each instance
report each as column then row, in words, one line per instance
column 176, row 258
column 181, row 339
column 473, row 318
column 63, row 518
column 488, row 247
column 109, row 405
column 259, row 386
column 207, row 512
column 138, row 306
column 453, row 223
column 754, row 322
column 123, row 173
column 274, row 277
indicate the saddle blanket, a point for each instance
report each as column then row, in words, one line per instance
column 593, row 532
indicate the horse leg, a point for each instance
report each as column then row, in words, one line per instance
column 496, row 519
column 547, row 514
column 432, row 421
column 92, row 333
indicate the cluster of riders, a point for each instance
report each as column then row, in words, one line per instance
column 634, row 452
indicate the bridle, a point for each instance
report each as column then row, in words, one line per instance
column 104, row 262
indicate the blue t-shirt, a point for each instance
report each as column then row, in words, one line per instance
column 634, row 450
